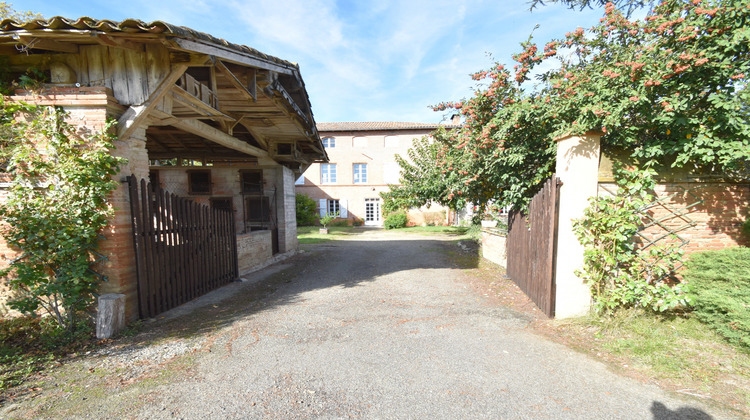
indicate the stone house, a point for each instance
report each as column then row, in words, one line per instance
column 220, row 124
column 362, row 165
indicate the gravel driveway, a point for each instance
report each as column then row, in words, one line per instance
column 377, row 326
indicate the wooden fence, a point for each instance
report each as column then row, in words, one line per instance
column 183, row 249
column 531, row 247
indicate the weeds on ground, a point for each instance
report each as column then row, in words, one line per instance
column 679, row 352
column 29, row 345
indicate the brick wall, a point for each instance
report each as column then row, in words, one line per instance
column 707, row 214
column 89, row 108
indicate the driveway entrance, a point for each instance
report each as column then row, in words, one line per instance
column 382, row 325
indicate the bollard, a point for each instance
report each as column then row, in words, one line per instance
column 110, row 318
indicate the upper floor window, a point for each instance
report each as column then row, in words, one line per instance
column 360, row 173
column 329, row 142
column 391, row 142
column 300, row 180
column 327, row 173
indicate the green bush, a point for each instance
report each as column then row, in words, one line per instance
column 395, row 220
column 307, row 210
column 720, row 283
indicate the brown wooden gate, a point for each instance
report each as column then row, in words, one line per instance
column 531, row 246
column 183, row 249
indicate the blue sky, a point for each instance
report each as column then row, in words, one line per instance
column 384, row 60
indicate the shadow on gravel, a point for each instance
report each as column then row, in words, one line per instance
column 331, row 264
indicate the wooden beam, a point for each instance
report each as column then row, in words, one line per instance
column 183, row 96
column 117, row 42
column 230, row 54
column 217, row 136
column 135, row 115
column 236, row 82
column 31, row 42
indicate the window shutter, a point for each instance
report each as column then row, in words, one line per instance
column 344, row 213
column 323, row 207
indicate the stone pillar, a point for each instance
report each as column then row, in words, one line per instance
column 110, row 316
column 287, row 217
column 577, row 168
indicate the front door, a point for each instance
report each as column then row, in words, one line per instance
column 372, row 212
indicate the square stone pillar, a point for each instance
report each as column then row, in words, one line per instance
column 578, row 168
column 286, row 213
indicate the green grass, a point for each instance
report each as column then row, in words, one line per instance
column 679, row 351
column 29, row 345
column 310, row 235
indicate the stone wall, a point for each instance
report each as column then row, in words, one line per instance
column 494, row 247
column 253, row 249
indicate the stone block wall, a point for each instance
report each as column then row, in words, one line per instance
column 287, row 211
column 253, row 249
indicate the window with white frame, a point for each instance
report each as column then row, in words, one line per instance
column 300, row 180
column 360, row 173
column 329, row 142
column 333, row 206
column 327, row 173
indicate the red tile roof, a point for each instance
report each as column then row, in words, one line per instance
column 379, row 126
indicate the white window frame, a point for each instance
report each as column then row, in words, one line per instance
column 300, row 180
column 331, row 206
column 329, row 142
column 360, row 173
column 327, row 173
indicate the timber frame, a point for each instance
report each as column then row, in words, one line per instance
column 202, row 98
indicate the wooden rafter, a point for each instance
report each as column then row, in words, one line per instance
column 247, row 93
column 217, row 136
column 136, row 115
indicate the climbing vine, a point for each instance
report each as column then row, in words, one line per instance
column 618, row 272
column 54, row 209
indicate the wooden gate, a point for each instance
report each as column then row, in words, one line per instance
column 531, row 246
column 183, row 249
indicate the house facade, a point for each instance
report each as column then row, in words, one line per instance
column 362, row 163
column 219, row 125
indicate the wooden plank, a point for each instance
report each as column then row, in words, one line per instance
column 231, row 55
column 136, row 74
column 32, row 42
column 241, row 88
column 217, row 136
column 137, row 222
column 136, row 114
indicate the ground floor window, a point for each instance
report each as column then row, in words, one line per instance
column 333, row 206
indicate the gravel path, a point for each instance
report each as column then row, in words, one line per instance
column 374, row 327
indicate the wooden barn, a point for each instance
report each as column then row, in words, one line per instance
column 214, row 134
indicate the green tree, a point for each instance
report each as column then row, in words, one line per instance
column 54, row 210
column 8, row 12
column 669, row 90
column 306, row 210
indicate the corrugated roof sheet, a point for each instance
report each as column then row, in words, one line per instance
column 379, row 126
column 131, row 26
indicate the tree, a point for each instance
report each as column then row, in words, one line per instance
column 54, row 210
column 669, row 90
column 422, row 182
column 8, row 12
column 628, row 6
